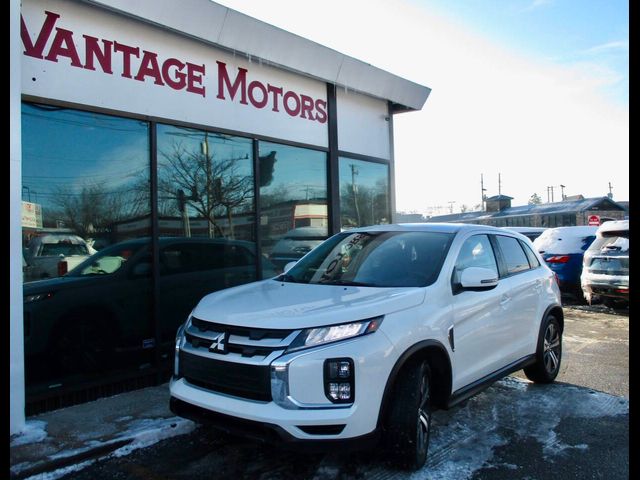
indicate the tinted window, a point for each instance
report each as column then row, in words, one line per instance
column 514, row 256
column 475, row 252
column 533, row 260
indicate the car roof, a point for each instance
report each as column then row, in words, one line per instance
column 429, row 227
column 614, row 226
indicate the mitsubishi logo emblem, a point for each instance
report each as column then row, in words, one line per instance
column 219, row 344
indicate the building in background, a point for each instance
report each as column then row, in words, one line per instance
column 575, row 210
column 140, row 121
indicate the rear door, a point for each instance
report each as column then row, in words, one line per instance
column 523, row 286
column 481, row 330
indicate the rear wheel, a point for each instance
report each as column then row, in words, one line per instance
column 548, row 354
column 408, row 424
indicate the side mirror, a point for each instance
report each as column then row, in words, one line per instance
column 288, row 266
column 478, row 277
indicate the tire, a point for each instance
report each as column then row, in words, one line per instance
column 408, row 423
column 548, row 353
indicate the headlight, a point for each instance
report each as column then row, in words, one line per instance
column 312, row 337
column 37, row 296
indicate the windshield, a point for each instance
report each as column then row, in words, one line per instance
column 106, row 261
column 374, row 259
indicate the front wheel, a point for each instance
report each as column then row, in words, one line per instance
column 548, row 354
column 408, row 425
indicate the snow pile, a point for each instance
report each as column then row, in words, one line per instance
column 34, row 431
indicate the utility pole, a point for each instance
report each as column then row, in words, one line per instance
column 482, row 190
column 354, row 188
column 551, row 187
column 499, row 185
column 451, row 206
column 610, row 191
column 562, row 191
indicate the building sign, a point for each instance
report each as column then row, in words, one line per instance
column 594, row 220
column 82, row 54
column 31, row 215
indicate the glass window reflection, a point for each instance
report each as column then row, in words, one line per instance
column 85, row 190
column 364, row 193
column 293, row 200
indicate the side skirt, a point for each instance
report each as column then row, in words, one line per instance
column 472, row 389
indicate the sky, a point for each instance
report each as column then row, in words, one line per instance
column 536, row 91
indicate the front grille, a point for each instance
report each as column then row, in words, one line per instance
column 219, row 339
column 237, row 379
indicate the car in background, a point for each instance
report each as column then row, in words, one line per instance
column 53, row 255
column 102, row 311
column 605, row 268
column 562, row 248
column 530, row 232
column 296, row 243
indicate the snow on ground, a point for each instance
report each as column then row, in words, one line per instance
column 34, row 431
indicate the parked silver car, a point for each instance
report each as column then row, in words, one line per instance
column 605, row 271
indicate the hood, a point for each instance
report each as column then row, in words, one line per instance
column 57, row 283
column 282, row 305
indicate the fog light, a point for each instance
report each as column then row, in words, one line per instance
column 340, row 391
column 339, row 380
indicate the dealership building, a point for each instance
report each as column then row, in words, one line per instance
column 180, row 146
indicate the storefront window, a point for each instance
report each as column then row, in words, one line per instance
column 293, row 200
column 364, row 193
column 206, row 219
column 86, row 215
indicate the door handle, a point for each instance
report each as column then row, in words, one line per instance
column 538, row 285
column 504, row 300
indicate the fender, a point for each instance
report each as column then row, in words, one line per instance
column 408, row 354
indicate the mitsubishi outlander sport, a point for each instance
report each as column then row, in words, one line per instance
column 369, row 333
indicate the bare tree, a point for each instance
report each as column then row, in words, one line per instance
column 213, row 187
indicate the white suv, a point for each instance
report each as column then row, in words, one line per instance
column 368, row 333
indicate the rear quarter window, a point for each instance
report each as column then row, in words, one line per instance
column 514, row 257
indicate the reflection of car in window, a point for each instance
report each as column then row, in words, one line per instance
column 109, row 298
column 52, row 255
column 296, row 243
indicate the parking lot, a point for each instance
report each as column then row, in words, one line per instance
column 577, row 428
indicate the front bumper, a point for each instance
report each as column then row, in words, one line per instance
column 300, row 409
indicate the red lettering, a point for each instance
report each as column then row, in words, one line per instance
column 195, row 76
column 180, row 81
column 64, row 37
column 92, row 51
column 149, row 68
column 223, row 79
column 276, row 91
column 45, row 32
column 321, row 111
column 127, row 51
column 291, row 111
column 307, row 107
column 252, row 86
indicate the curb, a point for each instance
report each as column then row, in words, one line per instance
column 57, row 463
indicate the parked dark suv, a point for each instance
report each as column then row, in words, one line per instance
column 100, row 313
